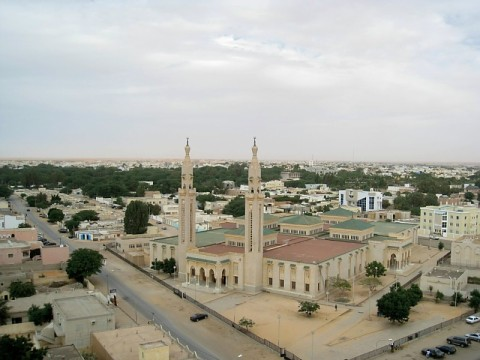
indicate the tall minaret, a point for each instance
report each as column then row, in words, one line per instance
column 253, row 266
column 187, row 205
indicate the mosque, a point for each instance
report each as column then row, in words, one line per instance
column 279, row 255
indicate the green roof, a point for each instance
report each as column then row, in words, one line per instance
column 241, row 231
column 340, row 212
column 204, row 238
column 301, row 220
column 385, row 228
column 353, row 224
column 266, row 216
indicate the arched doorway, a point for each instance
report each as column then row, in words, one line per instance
column 202, row 277
column 224, row 277
column 211, row 277
column 393, row 262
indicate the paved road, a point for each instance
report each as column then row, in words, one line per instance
column 210, row 339
column 412, row 349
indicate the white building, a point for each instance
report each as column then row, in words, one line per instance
column 449, row 221
column 365, row 200
column 11, row 222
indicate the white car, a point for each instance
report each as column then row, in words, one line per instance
column 473, row 336
column 472, row 319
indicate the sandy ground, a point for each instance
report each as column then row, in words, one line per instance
column 331, row 333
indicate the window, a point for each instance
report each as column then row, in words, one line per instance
column 131, row 246
column 307, row 287
column 282, row 283
column 10, row 255
column 293, row 285
column 270, row 281
column 235, row 279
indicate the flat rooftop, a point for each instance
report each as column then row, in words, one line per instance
column 82, row 307
column 310, row 250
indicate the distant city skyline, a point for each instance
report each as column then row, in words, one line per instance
column 369, row 81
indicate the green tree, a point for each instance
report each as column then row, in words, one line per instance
column 140, row 192
column 3, row 311
column 457, row 298
column 236, row 207
column 375, row 269
column 439, row 296
column 371, row 282
column 84, row 263
column 385, row 204
column 136, row 218
column 246, row 323
column 154, row 209
column 308, row 307
column 20, row 348
column 119, row 201
column 39, row 315
column 55, row 199
column 55, row 215
column 72, row 225
column 341, row 284
column 441, row 245
column 414, row 294
column 5, row 191
column 86, row 215
column 395, row 306
column 35, row 315
column 469, row 196
column 20, row 289
column 169, row 266
column 474, row 300
column 157, row 265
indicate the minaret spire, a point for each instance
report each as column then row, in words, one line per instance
column 254, row 203
column 187, row 206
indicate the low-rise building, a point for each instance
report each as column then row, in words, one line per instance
column 75, row 319
column 451, row 222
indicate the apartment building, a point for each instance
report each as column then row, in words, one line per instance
column 365, row 200
column 449, row 221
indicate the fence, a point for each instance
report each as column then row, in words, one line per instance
column 412, row 337
column 283, row 352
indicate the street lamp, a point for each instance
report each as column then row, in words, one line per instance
column 312, row 344
column 174, row 270
column 278, row 342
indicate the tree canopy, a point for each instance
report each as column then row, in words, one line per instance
column 20, row 348
column 397, row 303
column 5, row 191
column 39, row 315
column 19, row 289
column 55, row 215
column 84, row 263
column 474, row 300
column 236, row 207
column 3, row 311
column 136, row 218
column 375, row 269
column 308, row 307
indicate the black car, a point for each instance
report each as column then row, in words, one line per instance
column 198, row 317
column 433, row 353
column 447, row 349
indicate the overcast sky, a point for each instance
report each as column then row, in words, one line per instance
column 333, row 80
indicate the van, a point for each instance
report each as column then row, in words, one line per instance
column 461, row 341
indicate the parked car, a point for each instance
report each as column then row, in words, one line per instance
column 63, row 230
column 472, row 319
column 473, row 336
column 198, row 317
column 447, row 349
column 461, row 341
column 433, row 353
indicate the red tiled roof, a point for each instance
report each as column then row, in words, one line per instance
column 219, row 249
column 310, row 250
